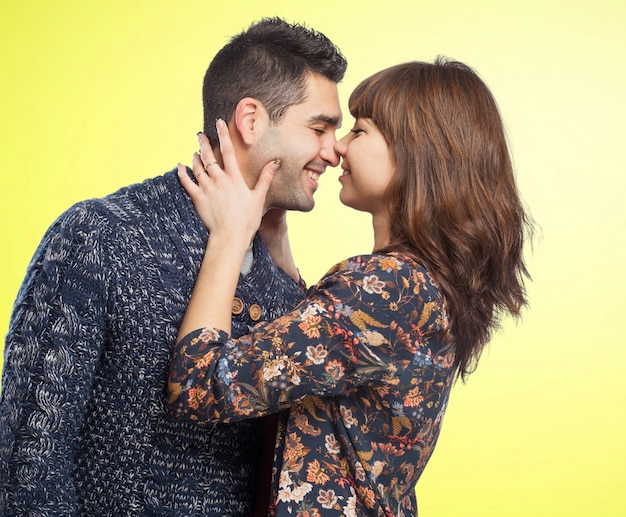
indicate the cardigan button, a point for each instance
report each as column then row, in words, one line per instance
column 255, row 312
column 237, row 306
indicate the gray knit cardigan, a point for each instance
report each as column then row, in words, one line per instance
column 83, row 422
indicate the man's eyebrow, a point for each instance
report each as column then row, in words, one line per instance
column 326, row 119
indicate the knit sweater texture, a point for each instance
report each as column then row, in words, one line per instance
column 84, row 428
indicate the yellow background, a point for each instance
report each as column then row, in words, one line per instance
column 97, row 95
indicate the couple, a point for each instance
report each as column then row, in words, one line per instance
column 341, row 388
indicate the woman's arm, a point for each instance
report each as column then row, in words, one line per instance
column 232, row 212
column 362, row 324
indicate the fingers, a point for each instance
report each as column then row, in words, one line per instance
column 204, row 162
column 266, row 177
column 198, row 167
column 207, row 158
column 226, row 146
column 185, row 180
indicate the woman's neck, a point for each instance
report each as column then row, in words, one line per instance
column 382, row 236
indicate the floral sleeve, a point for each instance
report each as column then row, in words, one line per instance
column 365, row 322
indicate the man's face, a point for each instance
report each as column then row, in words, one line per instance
column 303, row 139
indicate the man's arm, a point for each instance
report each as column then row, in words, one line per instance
column 51, row 352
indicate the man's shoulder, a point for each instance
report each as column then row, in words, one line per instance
column 124, row 206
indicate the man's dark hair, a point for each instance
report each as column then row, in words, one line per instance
column 269, row 62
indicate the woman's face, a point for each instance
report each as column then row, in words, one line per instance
column 367, row 168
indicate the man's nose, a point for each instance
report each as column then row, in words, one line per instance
column 328, row 151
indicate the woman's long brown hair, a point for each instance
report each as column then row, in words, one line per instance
column 454, row 204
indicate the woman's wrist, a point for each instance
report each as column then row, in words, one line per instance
column 232, row 244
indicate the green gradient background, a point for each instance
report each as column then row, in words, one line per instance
column 97, row 95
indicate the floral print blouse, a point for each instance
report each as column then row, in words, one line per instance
column 363, row 366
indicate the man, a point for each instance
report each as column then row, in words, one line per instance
column 83, row 423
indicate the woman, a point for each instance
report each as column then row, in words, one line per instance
column 365, row 364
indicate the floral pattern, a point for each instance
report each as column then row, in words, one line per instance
column 363, row 365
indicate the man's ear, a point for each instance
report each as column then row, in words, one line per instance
column 251, row 119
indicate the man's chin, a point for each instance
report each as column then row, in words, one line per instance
column 296, row 207
column 305, row 202
column 303, row 209
column 309, row 207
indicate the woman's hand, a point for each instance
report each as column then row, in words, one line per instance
column 232, row 212
column 227, row 207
